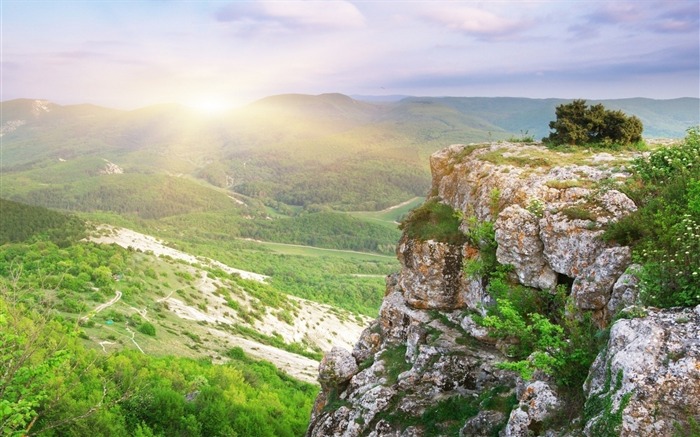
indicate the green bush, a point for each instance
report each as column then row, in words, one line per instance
column 482, row 236
column 147, row 328
column 578, row 124
column 665, row 230
column 541, row 332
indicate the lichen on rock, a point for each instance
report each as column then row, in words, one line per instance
column 647, row 380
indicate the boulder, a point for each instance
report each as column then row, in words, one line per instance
column 431, row 276
column 537, row 402
column 336, row 368
column 625, row 291
column 519, row 244
column 592, row 289
column 647, row 380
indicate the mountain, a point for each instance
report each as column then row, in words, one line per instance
column 300, row 150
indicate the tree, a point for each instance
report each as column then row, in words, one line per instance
column 578, row 124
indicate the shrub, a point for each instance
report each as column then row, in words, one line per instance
column 482, row 236
column 665, row 230
column 147, row 328
column 541, row 332
column 579, row 124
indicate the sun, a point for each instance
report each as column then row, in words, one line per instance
column 209, row 105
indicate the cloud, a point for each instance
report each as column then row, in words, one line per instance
column 678, row 20
column 477, row 22
column 617, row 13
column 294, row 15
column 658, row 17
column 626, row 70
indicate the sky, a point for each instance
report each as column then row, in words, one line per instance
column 131, row 54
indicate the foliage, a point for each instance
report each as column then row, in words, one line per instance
column 667, row 163
column 482, row 236
column 578, row 213
column 525, row 137
column 395, row 362
column 434, row 220
column 148, row 196
column 608, row 424
column 147, row 328
column 579, row 124
column 51, row 385
column 536, row 207
column 541, row 332
column 20, row 222
column 323, row 229
column 665, row 230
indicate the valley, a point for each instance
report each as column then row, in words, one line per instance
column 242, row 247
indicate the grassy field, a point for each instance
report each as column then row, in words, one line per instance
column 391, row 215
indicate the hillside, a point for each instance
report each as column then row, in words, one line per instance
column 300, row 150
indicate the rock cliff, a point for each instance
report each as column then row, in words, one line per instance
column 427, row 367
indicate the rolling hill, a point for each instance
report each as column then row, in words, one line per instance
column 299, row 150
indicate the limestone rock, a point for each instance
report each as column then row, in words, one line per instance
column 537, row 403
column 650, row 371
column 591, row 291
column 482, row 425
column 625, row 290
column 337, row 367
column 431, row 274
column 519, row 244
column 569, row 246
column 425, row 351
column 368, row 344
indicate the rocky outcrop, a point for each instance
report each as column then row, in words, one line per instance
column 432, row 277
column 416, row 366
column 336, row 368
column 425, row 367
column 647, row 381
column 548, row 217
column 537, row 404
column 520, row 245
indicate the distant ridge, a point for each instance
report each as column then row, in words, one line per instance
column 328, row 150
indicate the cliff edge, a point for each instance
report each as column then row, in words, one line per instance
column 515, row 219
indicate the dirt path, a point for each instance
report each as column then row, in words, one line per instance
column 133, row 340
column 115, row 299
column 391, row 208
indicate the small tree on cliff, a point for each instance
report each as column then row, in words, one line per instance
column 578, row 124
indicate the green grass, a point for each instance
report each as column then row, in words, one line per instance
column 393, row 214
column 434, row 221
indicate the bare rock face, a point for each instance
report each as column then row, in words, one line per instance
column 625, row 290
column 548, row 218
column 337, row 367
column 413, row 360
column 537, row 403
column 431, row 275
column 425, row 367
column 647, row 381
column 592, row 290
column 519, row 244
column 569, row 246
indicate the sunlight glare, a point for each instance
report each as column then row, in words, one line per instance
column 209, row 105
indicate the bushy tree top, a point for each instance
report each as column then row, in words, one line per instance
column 578, row 124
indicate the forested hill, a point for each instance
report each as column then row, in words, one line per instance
column 296, row 149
